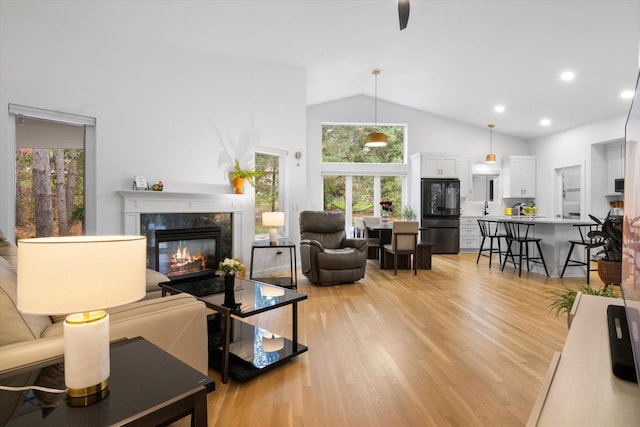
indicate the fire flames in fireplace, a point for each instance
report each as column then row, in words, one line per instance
column 182, row 262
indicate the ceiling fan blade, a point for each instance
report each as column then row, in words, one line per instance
column 403, row 13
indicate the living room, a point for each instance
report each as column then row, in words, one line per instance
column 182, row 115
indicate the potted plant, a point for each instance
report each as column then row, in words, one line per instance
column 408, row 214
column 609, row 237
column 562, row 300
column 239, row 176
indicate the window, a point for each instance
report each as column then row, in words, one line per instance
column 269, row 194
column 357, row 178
column 345, row 143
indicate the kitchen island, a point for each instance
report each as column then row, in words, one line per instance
column 555, row 234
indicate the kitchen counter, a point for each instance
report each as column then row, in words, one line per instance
column 537, row 219
column 555, row 234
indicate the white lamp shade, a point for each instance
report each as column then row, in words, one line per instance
column 61, row 275
column 272, row 219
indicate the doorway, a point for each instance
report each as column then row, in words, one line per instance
column 569, row 198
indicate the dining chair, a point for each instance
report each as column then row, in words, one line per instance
column 404, row 242
column 373, row 241
column 358, row 227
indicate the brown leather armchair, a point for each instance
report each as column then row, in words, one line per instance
column 328, row 257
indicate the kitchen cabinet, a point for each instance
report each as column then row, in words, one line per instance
column 439, row 166
column 469, row 233
column 464, row 174
column 615, row 164
column 519, row 177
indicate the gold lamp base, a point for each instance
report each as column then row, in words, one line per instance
column 79, row 397
column 86, row 357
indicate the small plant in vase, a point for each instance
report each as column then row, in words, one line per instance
column 408, row 214
column 239, row 176
column 228, row 269
column 387, row 206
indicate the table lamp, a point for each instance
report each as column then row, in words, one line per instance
column 82, row 275
column 273, row 220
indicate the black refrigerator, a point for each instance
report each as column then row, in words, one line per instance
column 440, row 214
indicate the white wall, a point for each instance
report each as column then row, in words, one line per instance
column 426, row 133
column 585, row 144
column 170, row 114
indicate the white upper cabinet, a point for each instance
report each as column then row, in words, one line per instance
column 439, row 166
column 519, row 177
column 615, row 164
column 464, row 173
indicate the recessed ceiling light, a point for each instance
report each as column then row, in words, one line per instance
column 499, row 108
column 567, row 76
column 626, row 94
column 545, row 122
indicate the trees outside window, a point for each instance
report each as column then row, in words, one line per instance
column 49, row 192
column 357, row 188
column 268, row 191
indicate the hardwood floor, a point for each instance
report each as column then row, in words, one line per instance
column 458, row 345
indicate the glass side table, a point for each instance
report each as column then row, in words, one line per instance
column 291, row 281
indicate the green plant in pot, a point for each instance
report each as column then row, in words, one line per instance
column 562, row 300
column 408, row 214
column 609, row 237
column 239, row 176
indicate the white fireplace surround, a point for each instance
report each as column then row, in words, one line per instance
column 153, row 202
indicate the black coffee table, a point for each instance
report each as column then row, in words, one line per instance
column 246, row 350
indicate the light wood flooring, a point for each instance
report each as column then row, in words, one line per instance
column 458, row 345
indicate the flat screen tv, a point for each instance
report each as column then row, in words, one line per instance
column 630, row 286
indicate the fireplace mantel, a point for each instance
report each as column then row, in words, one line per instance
column 148, row 202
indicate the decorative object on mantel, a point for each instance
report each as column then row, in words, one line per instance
column 609, row 236
column 140, row 183
column 158, row 186
column 228, row 270
column 387, row 206
column 239, row 176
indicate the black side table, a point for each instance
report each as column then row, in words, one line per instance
column 147, row 386
column 291, row 281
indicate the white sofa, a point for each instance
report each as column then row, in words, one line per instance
column 176, row 323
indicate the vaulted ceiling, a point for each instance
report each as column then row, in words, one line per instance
column 456, row 58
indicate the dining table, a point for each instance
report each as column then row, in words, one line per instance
column 384, row 231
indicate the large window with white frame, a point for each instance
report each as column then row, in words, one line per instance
column 356, row 178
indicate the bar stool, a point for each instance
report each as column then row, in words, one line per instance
column 585, row 241
column 520, row 232
column 490, row 230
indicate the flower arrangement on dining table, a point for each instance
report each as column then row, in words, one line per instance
column 229, row 267
column 387, row 205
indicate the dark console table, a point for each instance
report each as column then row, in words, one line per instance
column 147, row 386
column 290, row 281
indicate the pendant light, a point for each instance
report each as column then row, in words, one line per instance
column 491, row 158
column 375, row 138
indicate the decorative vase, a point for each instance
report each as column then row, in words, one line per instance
column 610, row 272
column 384, row 217
column 239, row 183
column 229, row 291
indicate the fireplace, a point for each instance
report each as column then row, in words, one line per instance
column 187, row 252
column 145, row 212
